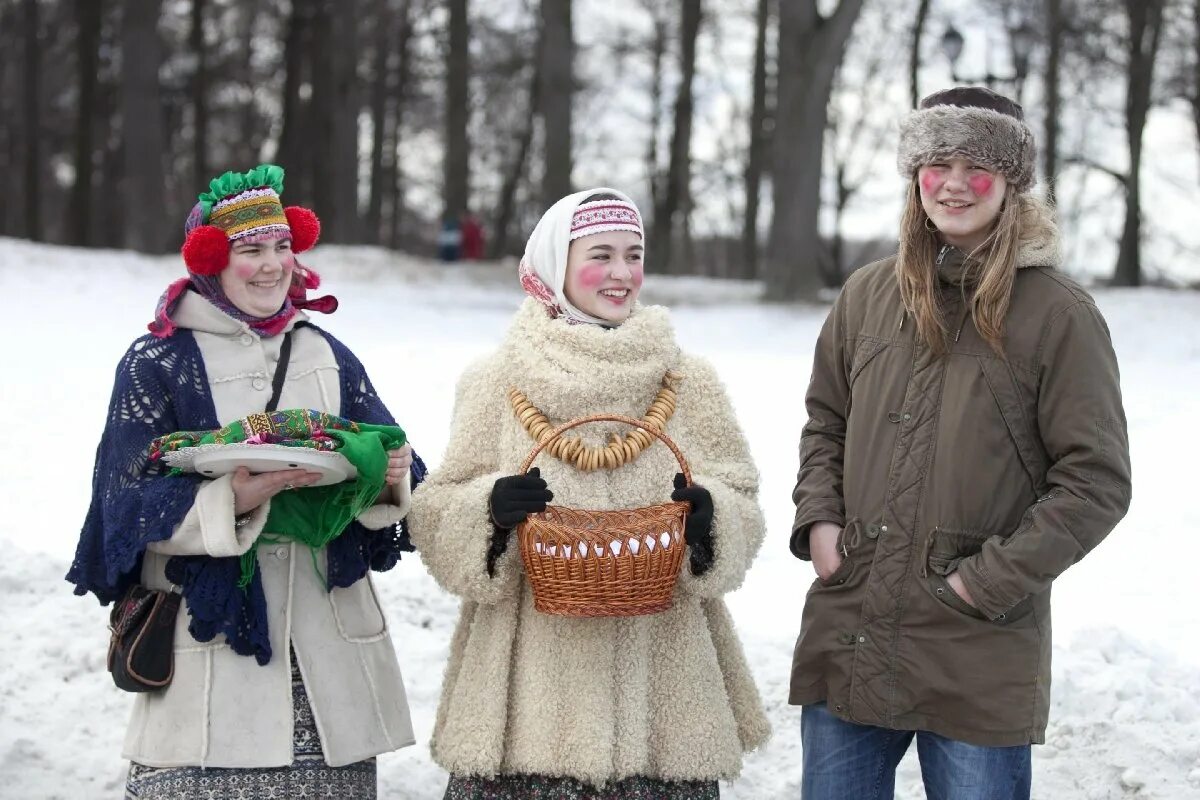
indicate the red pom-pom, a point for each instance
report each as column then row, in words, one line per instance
column 206, row 250
column 306, row 228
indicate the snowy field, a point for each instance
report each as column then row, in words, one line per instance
column 1125, row 720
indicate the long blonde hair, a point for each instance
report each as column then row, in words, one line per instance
column 1021, row 218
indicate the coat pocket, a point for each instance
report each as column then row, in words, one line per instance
column 357, row 612
column 945, row 548
column 864, row 353
column 847, row 542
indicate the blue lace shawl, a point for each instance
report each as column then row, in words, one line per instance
column 161, row 386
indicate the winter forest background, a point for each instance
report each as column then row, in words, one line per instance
column 759, row 138
column 758, row 135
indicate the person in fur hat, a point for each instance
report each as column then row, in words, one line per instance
column 538, row 705
column 966, row 444
column 287, row 685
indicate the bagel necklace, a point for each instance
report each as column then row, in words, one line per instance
column 619, row 451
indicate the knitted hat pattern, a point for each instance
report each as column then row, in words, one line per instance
column 243, row 206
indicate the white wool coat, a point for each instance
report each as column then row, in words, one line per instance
column 668, row 695
column 222, row 709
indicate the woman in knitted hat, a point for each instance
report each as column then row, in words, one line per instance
column 965, row 445
column 285, row 682
column 539, row 705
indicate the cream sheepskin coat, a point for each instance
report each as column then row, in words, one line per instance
column 667, row 696
column 222, row 709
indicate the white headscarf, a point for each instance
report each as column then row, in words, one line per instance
column 543, row 269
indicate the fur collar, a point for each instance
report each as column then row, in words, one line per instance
column 572, row 370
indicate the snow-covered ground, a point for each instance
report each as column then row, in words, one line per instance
column 1125, row 720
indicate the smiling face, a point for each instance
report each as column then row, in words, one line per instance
column 259, row 275
column 962, row 199
column 604, row 274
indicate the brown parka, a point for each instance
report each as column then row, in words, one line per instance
column 1008, row 470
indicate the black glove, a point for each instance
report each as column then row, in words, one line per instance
column 513, row 499
column 697, row 532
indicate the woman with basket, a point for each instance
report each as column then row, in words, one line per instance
column 282, row 678
column 594, row 657
column 965, row 445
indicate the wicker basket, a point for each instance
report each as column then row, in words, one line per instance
column 604, row 563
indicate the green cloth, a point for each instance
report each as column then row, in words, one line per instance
column 315, row 515
column 311, row 515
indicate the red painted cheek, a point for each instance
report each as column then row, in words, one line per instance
column 930, row 183
column 981, row 184
column 590, row 276
column 244, row 270
column 636, row 273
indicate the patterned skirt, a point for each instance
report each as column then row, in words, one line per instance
column 308, row 775
column 542, row 787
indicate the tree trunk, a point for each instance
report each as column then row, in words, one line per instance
column 344, row 105
column 557, row 52
column 675, row 205
column 512, row 178
column 455, row 166
column 379, row 97
column 88, row 19
column 658, row 51
column 756, row 156
column 810, row 51
column 1196, row 67
column 1054, row 41
column 914, row 53
column 1145, row 29
column 142, row 127
column 33, row 124
column 395, row 178
column 199, row 96
column 292, row 155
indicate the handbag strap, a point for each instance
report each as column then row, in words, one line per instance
column 285, row 355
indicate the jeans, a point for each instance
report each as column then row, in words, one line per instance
column 845, row 761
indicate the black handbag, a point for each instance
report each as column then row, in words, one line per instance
column 141, row 650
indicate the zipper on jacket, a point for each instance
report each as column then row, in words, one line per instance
column 941, row 256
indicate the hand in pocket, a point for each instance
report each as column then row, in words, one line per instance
column 822, row 544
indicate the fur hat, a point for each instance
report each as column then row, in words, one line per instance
column 973, row 123
column 243, row 205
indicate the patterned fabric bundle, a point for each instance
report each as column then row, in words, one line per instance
column 161, row 387
column 293, row 427
column 312, row 515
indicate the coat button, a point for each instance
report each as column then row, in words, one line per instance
column 259, row 384
column 281, row 553
column 873, row 531
column 246, row 339
column 907, row 416
column 862, row 639
column 837, row 707
column 893, row 416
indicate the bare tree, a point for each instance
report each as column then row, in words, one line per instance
column 199, row 95
column 33, row 117
column 380, row 89
column 810, row 51
column 1055, row 30
column 456, row 170
column 88, row 18
column 557, row 53
column 914, row 53
column 142, row 126
column 1145, row 31
column 672, row 212
column 756, row 156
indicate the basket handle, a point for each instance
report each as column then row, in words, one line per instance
column 637, row 423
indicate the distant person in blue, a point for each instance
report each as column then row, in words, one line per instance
column 449, row 240
column 290, row 686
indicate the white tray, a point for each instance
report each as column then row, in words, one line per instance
column 214, row 460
